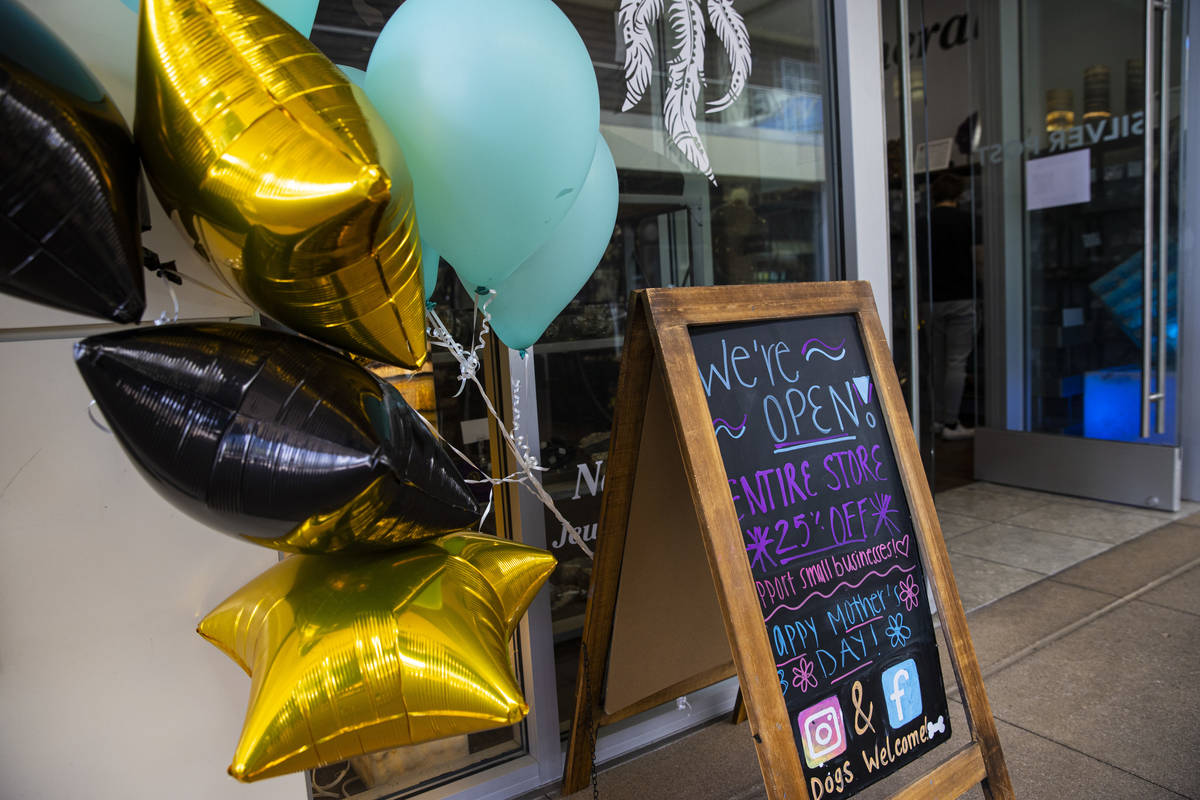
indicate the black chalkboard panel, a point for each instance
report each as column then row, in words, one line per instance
column 830, row 544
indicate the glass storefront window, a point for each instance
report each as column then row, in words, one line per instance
column 765, row 215
column 408, row 771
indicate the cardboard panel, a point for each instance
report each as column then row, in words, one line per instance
column 668, row 626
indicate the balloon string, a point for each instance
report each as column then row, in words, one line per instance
column 206, row 287
column 513, row 478
column 162, row 318
column 486, row 509
column 468, row 360
column 527, row 464
column 326, row 790
column 95, row 421
column 169, row 272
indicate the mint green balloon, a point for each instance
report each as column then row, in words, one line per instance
column 495, row 105
column 28, row 42
column 297, row 13
column 354, row 75
column 528, row 301
column 429, row 268
column 429, row 256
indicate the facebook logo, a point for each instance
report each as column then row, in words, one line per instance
column 902, row 690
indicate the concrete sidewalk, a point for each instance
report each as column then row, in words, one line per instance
column 1093, row 675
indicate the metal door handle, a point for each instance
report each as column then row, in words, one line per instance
column 910, row 212
column 1164, row 110
column 1148, row 231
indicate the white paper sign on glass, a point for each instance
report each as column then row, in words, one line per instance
column 1060, row 180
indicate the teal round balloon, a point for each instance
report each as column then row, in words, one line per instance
column 297, row 13
column 496, row 107
column 429, row 257
column 354, row 75
column 528, row 301
column 27, row 42
column 429, row 268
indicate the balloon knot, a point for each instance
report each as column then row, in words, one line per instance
column 522, row 352
column 429, row 304
column 482, row 290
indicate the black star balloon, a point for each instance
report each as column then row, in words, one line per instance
column 349, row 654
column 274, row 438
column 70, row 230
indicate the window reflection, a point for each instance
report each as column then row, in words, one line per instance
column 765, row 217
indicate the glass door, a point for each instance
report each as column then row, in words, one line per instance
column 1085, row 370
column 930, row 55
column 1035, row 152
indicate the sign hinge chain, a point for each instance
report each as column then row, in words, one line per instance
column 591, row 726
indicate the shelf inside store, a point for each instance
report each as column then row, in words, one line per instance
column 1059, row 336
column 576, row 345
column 568, row 628
column 548, row 348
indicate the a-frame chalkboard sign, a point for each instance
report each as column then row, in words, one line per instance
column 761, row 447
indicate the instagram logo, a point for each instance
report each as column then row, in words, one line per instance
column 822, row 731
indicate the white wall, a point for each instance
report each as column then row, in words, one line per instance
column 103, row 34
column 861, row 127
column 106, row 691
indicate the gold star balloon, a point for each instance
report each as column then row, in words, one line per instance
column 280, row 172
column 350, row 654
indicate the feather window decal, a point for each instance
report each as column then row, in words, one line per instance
column 731, row 30
column 637, row 18
column 685, row 70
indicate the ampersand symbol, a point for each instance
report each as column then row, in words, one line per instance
column 856, row 698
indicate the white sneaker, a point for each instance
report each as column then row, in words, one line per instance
column 957, row 432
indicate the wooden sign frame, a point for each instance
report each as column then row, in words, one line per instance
column 658, row 340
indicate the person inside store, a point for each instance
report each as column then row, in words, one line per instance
column 949, row 248
column 738, row 235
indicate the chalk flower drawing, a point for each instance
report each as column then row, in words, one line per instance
column 802, row 675
column 908, row 594
column 685, row 71
column 897, row 632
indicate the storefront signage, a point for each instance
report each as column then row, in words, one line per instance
column 829, row 540
column 589, row 482
column 948, row 34
column 767, row 424
column 1061, row 180
column 1102, row 130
